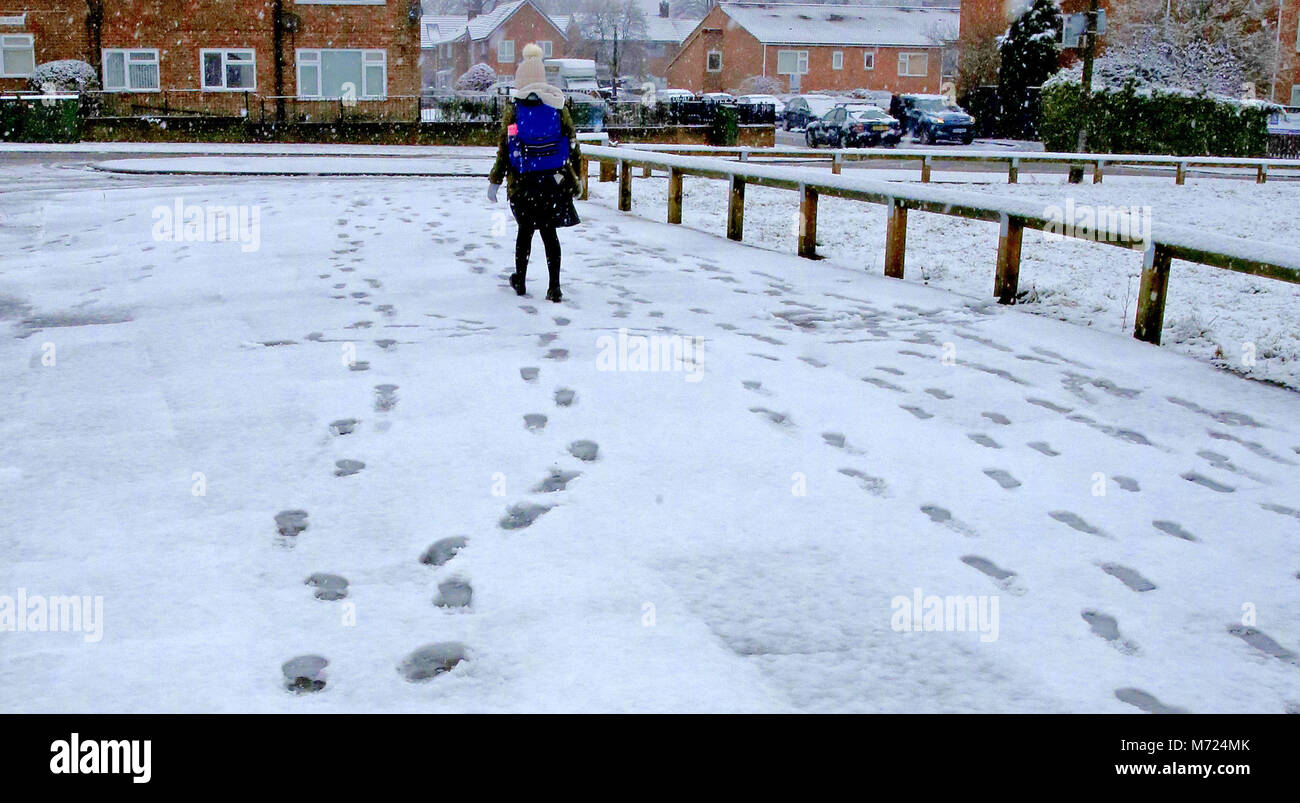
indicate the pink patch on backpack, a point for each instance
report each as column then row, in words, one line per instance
column 513, row 130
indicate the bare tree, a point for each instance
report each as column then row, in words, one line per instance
column 614, row 34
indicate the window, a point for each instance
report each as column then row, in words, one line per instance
column 131, row 70
column 713, row 62
column 228, row 69
column 869, row 60
column 1295, row 95
column 17, row 57
column 837, row 60
column 332, row 74
column 915, row 64
column 547, row 48
column 792, row 62
column 506, row 51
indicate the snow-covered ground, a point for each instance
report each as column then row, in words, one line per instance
column 751, row 526
column 1212, row 314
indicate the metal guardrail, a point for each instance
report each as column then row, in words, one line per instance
column 1164, row 243
column 1013, row 161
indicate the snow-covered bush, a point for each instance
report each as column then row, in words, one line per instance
column 66, row 75
column 476, row 78
column 1029, row 56
column 1134, row 117
column 761, row 85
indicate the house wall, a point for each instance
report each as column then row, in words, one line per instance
column 1287, row 91
column 743, row 56
column 179, row 30
column 57, row 28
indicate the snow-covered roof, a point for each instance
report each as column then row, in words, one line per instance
column 864, row 25
column 661, row 29
column 440, row 29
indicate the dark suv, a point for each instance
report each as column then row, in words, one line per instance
column 853, row 125
column 931, row 118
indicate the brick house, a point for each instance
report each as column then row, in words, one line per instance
column 450, row 45
column 816, row 47
column 663, row 40
column 204, row 56
column 1286, row 89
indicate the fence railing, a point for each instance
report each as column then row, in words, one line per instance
column 926, row 159
column 1160, row 246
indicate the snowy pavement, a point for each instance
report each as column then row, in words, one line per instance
column 739, row 533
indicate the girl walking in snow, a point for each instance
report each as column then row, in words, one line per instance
column 539, row 159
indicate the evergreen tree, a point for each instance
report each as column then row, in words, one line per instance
column 1030, row 55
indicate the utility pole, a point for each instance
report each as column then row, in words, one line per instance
column 1085, row 93
column 615, row 66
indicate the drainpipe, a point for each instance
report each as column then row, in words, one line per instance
column 1277, row 53
column 277, row 50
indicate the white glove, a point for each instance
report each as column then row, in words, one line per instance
column 492, row 192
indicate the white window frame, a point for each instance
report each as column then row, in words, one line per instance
column 127, row 53
column 1295, row 95
column 837, row 60
column 312, row 56
column 504, row 55
column 225, row 52
column 868, row 59
column 9, row 41
column 800, row 59
column 708, row 56
column 547, row 46
column 907, row 57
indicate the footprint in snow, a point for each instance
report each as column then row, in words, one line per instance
column 780, row 419
column 1129, row 577
column 546, row 338
column 943, row 516
column 522, row 515
column 939, row 393
column 1105, row 626
column 1042, row 446
column 1263, row 643
column 1075, row 521
column 997, row 418
column 528, row 374
column 432, row 660
column 1002, row 478
column 346, row 468
column 1174, row 529
column 534, row 422
column 359, row 365
column 564, row 397
column 557, row 354
column 1005, row 579
column 584, row 450
column 454, row 593
column 305, row 673
column 343, row 426
column 872, row 485
column 984, row 440
column 328, row 586
column 443, row 550
column 557, row 480
column 1127, row 483
column 1147, row 702
column 561, row 321
column 919, row 412
column 1206, row 482
column 291, row 522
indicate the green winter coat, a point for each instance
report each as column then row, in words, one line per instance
column 501, row 168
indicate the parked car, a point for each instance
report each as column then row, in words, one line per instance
column 803, row 109
column 931, row 118
column 854, row 125
column 724, row 98
column 764, row 100
column 1284, row 121
column 673, row 95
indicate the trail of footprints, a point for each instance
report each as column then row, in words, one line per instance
column 1101, row 624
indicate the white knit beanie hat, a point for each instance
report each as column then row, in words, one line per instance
column 530, row 69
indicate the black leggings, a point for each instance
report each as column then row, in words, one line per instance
column 524, row 246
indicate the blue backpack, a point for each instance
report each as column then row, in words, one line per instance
column 536, row 142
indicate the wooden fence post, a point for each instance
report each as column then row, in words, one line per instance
column 674, row 195
column 608, row 171
column 624, row 186
column 1180, row 177
column 925, row 169
column 1261, row 174
column 1151, row 294
column 1013, row 172
column 646, row 172
column 895, row 240
column 1098, row 171
column 736, row 209
column 837, row 163
column 807, row 222
column 1007, row 280
column 585, row 177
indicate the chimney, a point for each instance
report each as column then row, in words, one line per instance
column 473, row 8
column 663, row 9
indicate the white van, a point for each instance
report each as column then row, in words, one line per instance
column 572, row 75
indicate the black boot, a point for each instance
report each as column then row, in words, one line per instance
column 553, row 294
column 517, row 282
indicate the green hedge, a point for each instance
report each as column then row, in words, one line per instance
column 32, row 119
column 1126, row 120
column 724, row 129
